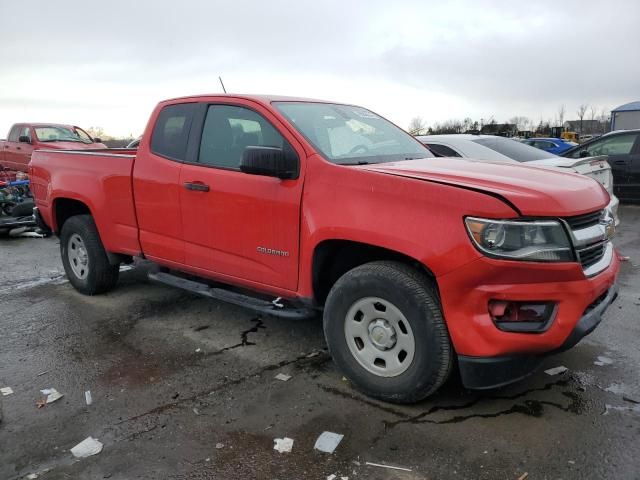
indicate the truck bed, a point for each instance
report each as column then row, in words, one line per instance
column 101, row 179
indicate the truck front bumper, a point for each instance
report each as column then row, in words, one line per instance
column 490, row 357
column 492, row 372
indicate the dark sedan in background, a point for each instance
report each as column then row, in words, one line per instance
column 623, row 150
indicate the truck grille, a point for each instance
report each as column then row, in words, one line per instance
column 584, row 221
column 591, row 254
column 589, row 240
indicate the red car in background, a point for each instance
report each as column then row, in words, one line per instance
column 24, row 138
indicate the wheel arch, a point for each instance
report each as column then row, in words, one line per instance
column 333, row 258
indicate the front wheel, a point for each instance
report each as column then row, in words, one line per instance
column 384, row 328
column 84, row 257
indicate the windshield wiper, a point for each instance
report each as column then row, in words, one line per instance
column 359, row 162
column 61, row 140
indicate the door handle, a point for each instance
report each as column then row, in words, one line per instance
column 196, row 186
column 18, row 148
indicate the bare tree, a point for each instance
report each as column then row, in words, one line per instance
column 582, row 109
column 561, row 112
column 604, row 120
column 417, row 126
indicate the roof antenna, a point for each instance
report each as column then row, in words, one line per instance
column 221, row 83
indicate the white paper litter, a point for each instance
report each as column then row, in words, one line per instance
column 603, row 361
column 328, row 441
column 388, row 466
column 32, row 235
column 32, row 476
column 87, row 397
column 283, row 445
column 282, row 376
column 556, row 370
column 219, row 446
column 6, row 391
column 52, row 394
column 89, row 446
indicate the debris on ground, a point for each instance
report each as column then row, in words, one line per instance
column 629, row 399
column 6, row 391
column 52, row 395
column 388, row 466
column 523, row 476
column 87, row 397
column 42, row 373
column 86, row 448
column 219, row 446
column 283, row 377
column 32, row 476
column 333, row 476
column 283, row 445
column 328, row 441
column 313, row 354
column 601, row 361
column 623, row 258
column 198, row 350
column 196, row 411
column 31, row 235
column 556, row 370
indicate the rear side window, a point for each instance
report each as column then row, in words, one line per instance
column 442, row 150
column 513, row 149
column 14, row 133
column 228, row 130
column 171, row 132
column 617, row 145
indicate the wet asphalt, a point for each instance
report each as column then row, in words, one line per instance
column 183, row 388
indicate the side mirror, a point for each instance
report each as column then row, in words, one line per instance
column 97, row 140
column 584, row 153
column 270, row 162
column 24, row 139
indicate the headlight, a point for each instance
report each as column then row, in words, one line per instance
column 541, row 241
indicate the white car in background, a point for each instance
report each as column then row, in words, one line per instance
column 500, row 149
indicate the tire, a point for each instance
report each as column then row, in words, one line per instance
column 84, row 257
column 388, row 302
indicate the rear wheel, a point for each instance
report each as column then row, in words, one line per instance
column 384, row 328
column 84, row 257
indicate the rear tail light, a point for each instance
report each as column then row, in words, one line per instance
column 531, row 317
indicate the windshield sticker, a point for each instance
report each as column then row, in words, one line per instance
column 364, row 113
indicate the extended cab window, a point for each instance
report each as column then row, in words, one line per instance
column 228, row 130
column 14, row 133
column 171, row 132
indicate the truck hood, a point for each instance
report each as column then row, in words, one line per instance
column 532, row 191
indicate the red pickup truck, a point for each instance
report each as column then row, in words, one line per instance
column 24, row 138
column 414, row 261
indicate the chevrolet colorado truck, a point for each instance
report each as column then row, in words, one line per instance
column 24, row 138
column 417, row 265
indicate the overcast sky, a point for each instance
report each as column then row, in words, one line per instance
column 108, row 65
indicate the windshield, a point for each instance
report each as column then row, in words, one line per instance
column 61, row 134
column 349, row 135
column 516, row 150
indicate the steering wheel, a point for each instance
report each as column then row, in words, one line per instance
column 359, row 149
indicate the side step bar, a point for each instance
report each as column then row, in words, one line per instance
column 262, row 306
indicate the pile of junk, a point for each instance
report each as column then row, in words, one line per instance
column 16, row 206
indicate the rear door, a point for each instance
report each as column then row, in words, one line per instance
column 13, row 148
column 156, row 183
column 235, row 224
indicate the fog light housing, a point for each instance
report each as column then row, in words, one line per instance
column 524, row 317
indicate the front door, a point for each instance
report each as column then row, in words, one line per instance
column 17, row 154
column 235, row 224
